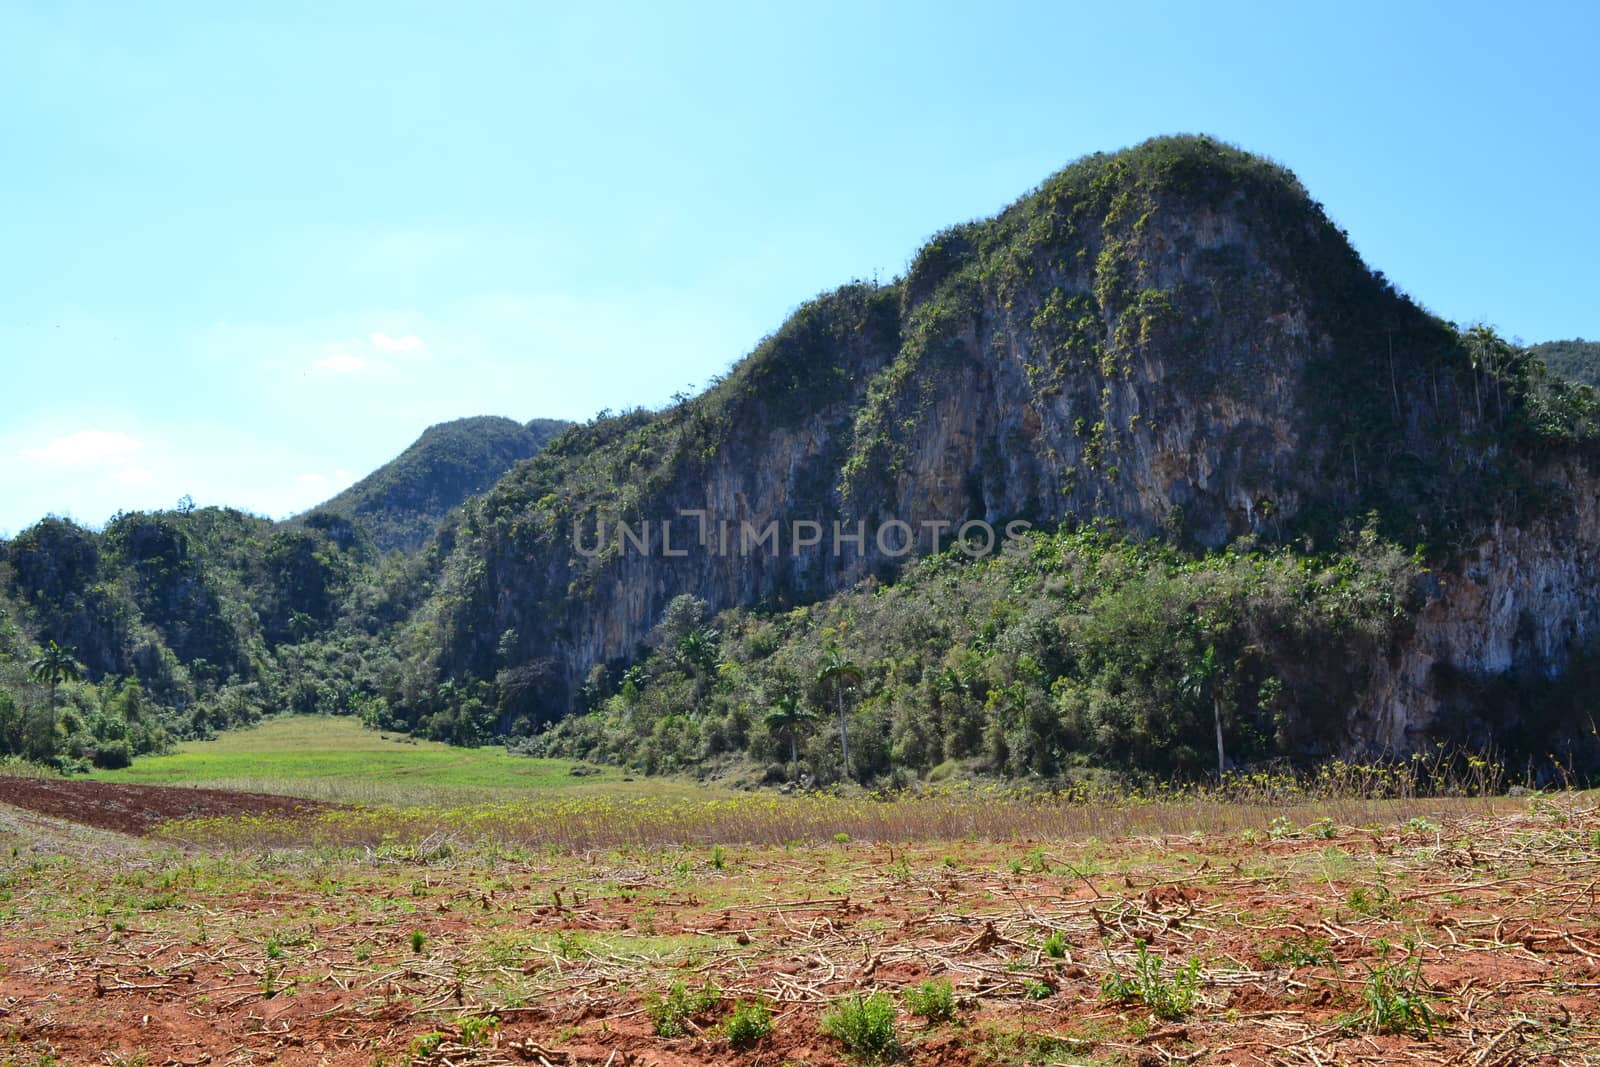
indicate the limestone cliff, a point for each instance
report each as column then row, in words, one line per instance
column 1174, row 338
column 1515, row 606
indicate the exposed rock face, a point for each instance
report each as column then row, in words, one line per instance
column 1517, row 604
column 1173, row 338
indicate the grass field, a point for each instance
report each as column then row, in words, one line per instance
column 336, row 759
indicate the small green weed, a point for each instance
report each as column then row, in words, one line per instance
column 1298, row 952
column 933, row 1000
column 1370, row 900
column 1167, row 998
column 670, row 1014
column 477, row 1030
column 426, row 1045
column 1394, row 999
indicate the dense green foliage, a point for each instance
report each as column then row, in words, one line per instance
column 1577, row 361
column 402, row 502
column 49, row 713
column 1077, row 650
column 195, row 620
column 191, row 621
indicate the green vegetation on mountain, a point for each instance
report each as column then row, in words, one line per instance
column 1577, row 361
column 1066, row 652
column 402, row 502
column 1174, row 339
column 189, row 621
column 1278, row 512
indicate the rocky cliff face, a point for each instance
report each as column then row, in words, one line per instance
column 1516, row 605
column 1174, row 338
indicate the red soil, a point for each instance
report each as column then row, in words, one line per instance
column 136, row 809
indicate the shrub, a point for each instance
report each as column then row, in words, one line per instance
column 1167, row 998
column 933, row 1000
column 750, row 1021
column 864, row 1026
column 112, row 755
column 670, row 1014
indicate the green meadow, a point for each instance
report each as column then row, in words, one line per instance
column 337, row 759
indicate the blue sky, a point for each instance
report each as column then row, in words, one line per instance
column 249, row 257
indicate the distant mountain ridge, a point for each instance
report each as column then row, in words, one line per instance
column 402, row 502
column 196, row 619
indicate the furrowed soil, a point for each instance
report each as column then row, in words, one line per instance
column 136, row 809
column 1461, row 938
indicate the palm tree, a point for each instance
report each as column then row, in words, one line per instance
column 55, row 665
column 787, row 717
column 840, row 675
column 700, row 650
column 1200, row 683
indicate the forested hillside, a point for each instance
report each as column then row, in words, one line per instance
column 1265, row 508
column 1576, row 361
column 401, row 503
column 176, row 624
column 1171, row 343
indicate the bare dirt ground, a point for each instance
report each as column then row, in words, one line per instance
column 1470, row 940
column 135, row 809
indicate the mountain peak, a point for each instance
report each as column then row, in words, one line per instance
column 402, row 502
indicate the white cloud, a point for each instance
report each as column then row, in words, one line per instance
column 87, row 448
column 408, row 343
column 375, row 352
column 53, row 468
column 342, row 363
